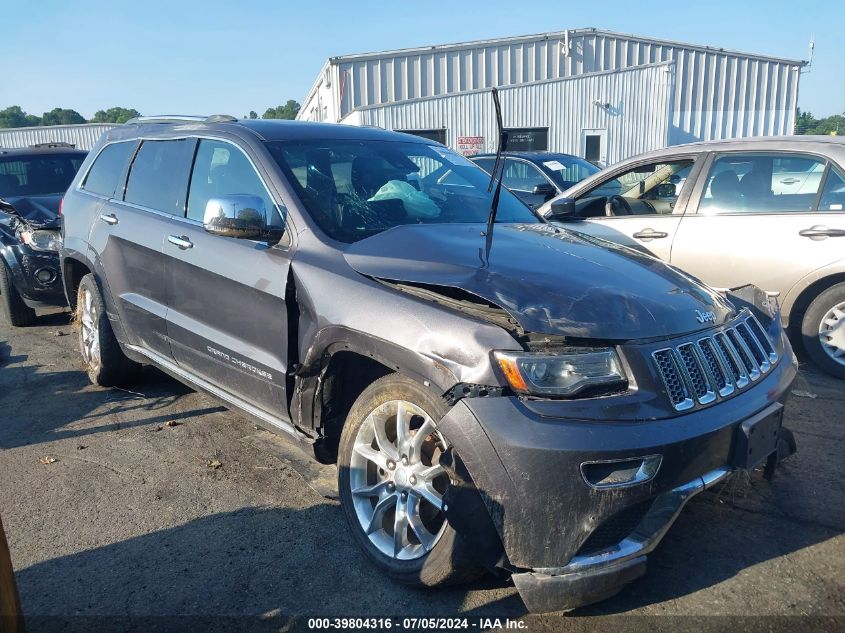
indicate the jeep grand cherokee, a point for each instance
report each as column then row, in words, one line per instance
column 544, row 406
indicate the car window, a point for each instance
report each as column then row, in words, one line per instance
column 357, row 188
column 221, row 169
column 569, row 170
column 762, row 183
column 520, row 175
column 38, row 174
column 485, row 163
column 158, row 178
column 833, row 194
column 645, row 189
column 104, row 176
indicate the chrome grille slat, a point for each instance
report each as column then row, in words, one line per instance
column 715, row 366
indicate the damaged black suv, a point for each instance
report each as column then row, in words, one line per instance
column 532, row 401
column 32, row 182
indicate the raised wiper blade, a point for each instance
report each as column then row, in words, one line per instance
column 495, row 176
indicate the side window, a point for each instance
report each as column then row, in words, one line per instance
column 833, row 194
column 762, row 183
column 104, row 176
column 158, row 178
column 485, row 163
column 522, row 176
column 221, row 169
column 645, row 189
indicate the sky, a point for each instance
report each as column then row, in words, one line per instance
column 187, row 57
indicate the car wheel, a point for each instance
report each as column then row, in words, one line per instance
column 105, row 362
column 17, row 313
column 823, row 330
column 392, row 484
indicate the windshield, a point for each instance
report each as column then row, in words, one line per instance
column 568, row 170
column 354, row 189
column 37, row 175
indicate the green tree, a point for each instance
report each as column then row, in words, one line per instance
column 61, row 116
column 115, row 115
column 14, row 116
column 287, row 111
column 804, row 121
column 252, row 114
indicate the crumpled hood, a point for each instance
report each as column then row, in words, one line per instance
column 40, row 211
column 552, row 281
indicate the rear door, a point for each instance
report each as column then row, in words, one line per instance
column 747, row 230
column 129, row 232
column 640, row 205
column 228, row 319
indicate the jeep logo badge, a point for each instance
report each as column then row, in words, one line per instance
column 705, row 317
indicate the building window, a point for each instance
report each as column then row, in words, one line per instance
column 438, row 136
column 528, row 139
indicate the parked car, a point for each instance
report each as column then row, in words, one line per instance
column 545, row 407
column 767, row 211
column 32, row 181
column 536, row 177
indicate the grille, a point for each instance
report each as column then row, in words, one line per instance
column 615, row 529
column 716, row 365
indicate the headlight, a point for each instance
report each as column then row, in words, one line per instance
column 564, row 374
column 42, row 240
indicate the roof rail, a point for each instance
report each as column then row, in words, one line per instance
column 54, row 144
column 182, row 118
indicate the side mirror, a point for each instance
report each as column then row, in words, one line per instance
column 562, row 210
column 238, row 215
column 546, row 189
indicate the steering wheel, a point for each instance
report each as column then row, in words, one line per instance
column 617, row 205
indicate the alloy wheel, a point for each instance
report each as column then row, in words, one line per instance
column 90, row 331
column 397, row 482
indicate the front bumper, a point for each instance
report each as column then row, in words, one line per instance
column 25, row 265
column 527, row 469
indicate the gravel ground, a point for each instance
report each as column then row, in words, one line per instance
column 163, row 503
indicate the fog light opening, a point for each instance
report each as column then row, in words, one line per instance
column 45, row 275
column 618, row 473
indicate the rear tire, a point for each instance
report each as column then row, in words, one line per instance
column 430, row 552
column 105, row 363
column 16, row 312
column 823, row 330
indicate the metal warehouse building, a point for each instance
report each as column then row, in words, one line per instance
column 594, row 93
column 83, row 136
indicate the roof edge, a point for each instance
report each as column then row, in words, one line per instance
column 557, row 35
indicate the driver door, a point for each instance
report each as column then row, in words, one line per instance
column 645, row 203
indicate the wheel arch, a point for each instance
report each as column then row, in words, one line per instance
column 803, row 300
column 339, row 365
column 73, row 268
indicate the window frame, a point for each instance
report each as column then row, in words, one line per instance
column 694, row 207
column 121, row 183
column 682, row 204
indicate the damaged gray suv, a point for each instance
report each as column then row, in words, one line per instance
column 533, row 402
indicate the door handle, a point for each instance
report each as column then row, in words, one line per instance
column 790, row 181
column 821, row 233
column 182, row 242
column 650, row 234
column 109, row 218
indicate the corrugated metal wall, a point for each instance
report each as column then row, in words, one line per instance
column 718, row 94
column 83, row 136
column 636, row 121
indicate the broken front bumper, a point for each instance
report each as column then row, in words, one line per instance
column 569, row 542
column 590, row 578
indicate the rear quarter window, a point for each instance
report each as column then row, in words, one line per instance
column 104, row 176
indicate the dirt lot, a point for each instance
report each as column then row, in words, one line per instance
column 164, row 503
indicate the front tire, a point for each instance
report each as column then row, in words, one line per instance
column 392, row 484
column 16, row 312
column 823, row 330
column 105, row 362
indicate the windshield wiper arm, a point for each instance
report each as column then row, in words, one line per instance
column 495, row 176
